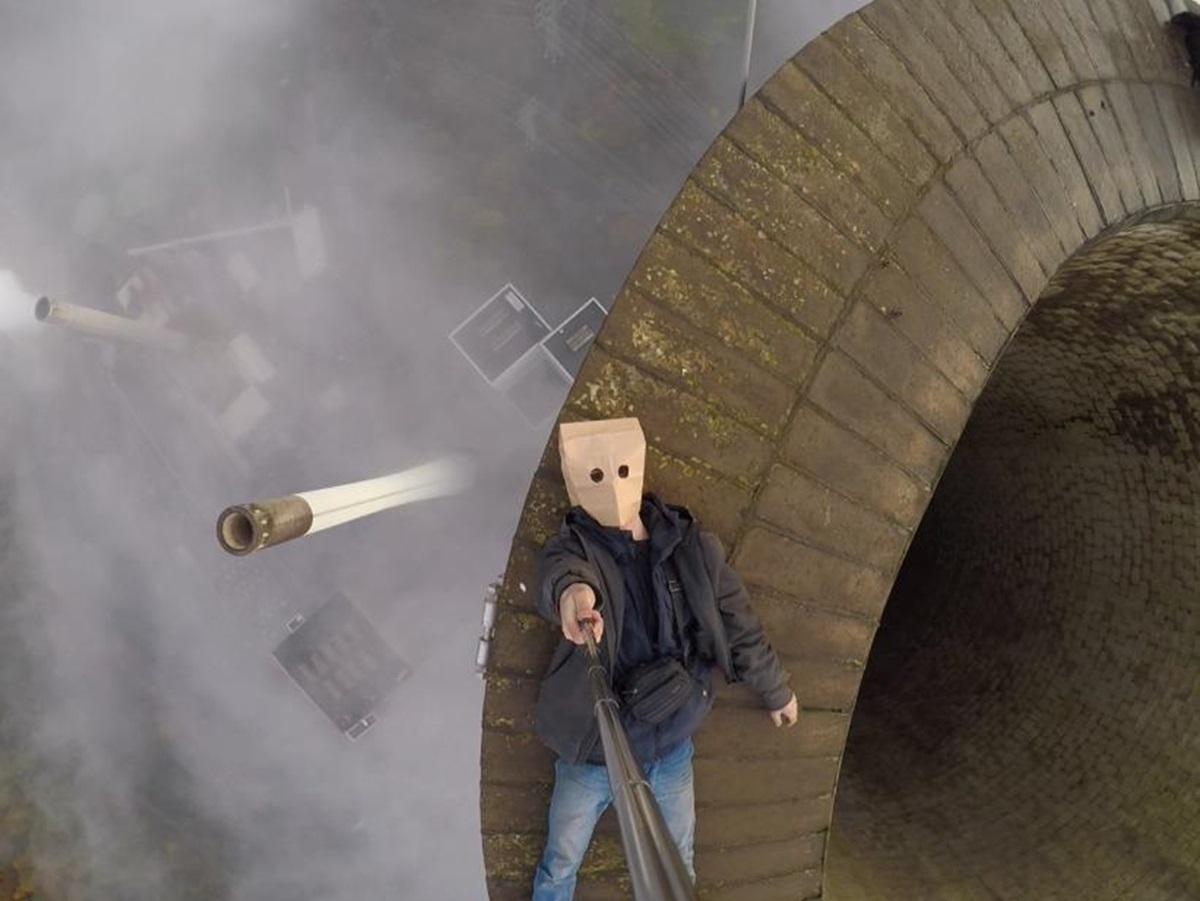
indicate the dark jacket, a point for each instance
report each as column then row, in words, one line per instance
column 726, row 635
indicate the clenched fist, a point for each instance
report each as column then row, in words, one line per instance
column 788, row 714
column 578, row 603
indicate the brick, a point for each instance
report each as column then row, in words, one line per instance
column 515, row 759
column 891, row 360
column 961, row 56
column 1049, row 49
column 1067, row 33
column 1030, row 157
column 1135, row 140
column 1167, row 64
column 1005, row 271
column 684, row 282
column 784, row 566
column 509, row 702
column 1128, row 25
column 894, row 82
column 1091, row 157
column 514, row 808
column 977, row 32
column 848, row 464
column 825, row 156
column 682, row 425
column 519, row 587
column 1112, row 144
column 813, row 633
column 1085, row 25
column 1010, row 33
column 749, row 256
column 753, row 781
column 923, row 257
column 824, row 684
column 1160, row 145
column 911, row 312
column 818, row 734
column 760, row 860
column 801, row 885
column 759, row 197
column 895, row 24
column 872, row 110
column 545, row 505
column 669, row 348
column 1178, row 139
column 522, row 644
column 1058, row 148
column 814, row 513
column 751, row 823
column 1114, row 39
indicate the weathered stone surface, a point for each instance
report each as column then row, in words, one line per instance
column 1031, row 17
column 509, row 702
column 546, row 503
column 915, row 315
column 1091, row 157
column 1064, row 31
column 823, row 518
column 682, row 281
column 894, row 23
column 1178, row 140
column 521, row 645
column 734, row 730
column 1010, row 33
column 1152, row 127
column 702, row 365
column 682, row 424
column 824, row 684
column 518, row 588
column 846, row 463
column 812, row 632
column 870, row 109
column 977, row 33
column 1053, row 138
column 718, row 504
column 891, row 360
column 1135, row 140
column 789, row 568
column 761, row 198
column 961, row 55
column 802, row 885
column 515, row 808
column 748, row 255
column 1030, row 157
column 1114, row 39
column 760, row 860
column 1085, row 24
column 758, row 781
column 750, row 823
column 510, row 758
column 1112, row 144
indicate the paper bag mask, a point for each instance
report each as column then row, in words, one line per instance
column 603, row 464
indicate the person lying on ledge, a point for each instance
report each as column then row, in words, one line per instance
column 666, row 609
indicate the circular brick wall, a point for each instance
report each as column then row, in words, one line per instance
column 804, row 339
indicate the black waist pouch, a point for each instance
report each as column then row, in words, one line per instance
column 655, row 690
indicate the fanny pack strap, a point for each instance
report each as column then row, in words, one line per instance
column 675, row 588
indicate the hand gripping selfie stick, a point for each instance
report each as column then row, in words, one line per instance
column 655, row 864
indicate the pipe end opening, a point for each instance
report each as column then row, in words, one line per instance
column 41, row 309
column 236, row 531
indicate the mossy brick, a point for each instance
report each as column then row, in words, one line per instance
column 1114, row 39
column 1030, row 158
column 759, row 860
column 611, row 888
column 752, row 823
column 819, row 516
column 1011, row 35
column 871, row 110
column 733, row 731
column 789, row 568
column 750, row 256
column 545, row 505
column 1135, row 140
column 977, row 33
column 871, row 55
column 813, row 632
column 521, row 644
column 762, row 199
column 680, row 280
column 1112, row 144
column 752, row 781
column 892, row 360
column 900, row 300
column 1076, row 124
column 1087, row 28
column 920, row 254
column 515, row 759
column 667, row 346
column 1008, row 275
column 897, row 24
column 1057, row 147
column 1156, row 136
column 513, row 856
column 836, row 165
column 1029, row 14
column 847, row 463
column 514, row 808
column 853, row 399
column 519, row 587
column 1178, row 138
column 803, row 885
column 681, row 424
column 718, row 504
column 824, row 684
column 509, row 702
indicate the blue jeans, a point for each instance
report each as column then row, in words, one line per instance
column 582, row 794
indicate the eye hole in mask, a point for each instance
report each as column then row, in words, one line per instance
column 597, row 475
column 623, row 471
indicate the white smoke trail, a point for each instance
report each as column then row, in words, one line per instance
column 16, row 306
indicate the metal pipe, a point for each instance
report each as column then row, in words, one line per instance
column 245, row 528
column 656, row 867
column 750, row 16
column 108, row 325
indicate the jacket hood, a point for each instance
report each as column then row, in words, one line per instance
column 667, row 524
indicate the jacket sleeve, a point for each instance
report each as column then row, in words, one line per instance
column 754, row 660
column 563, row 564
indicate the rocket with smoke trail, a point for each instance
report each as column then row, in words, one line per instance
column 245, row 528
column 109, row 325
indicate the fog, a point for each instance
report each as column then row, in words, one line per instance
column 150, row 745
